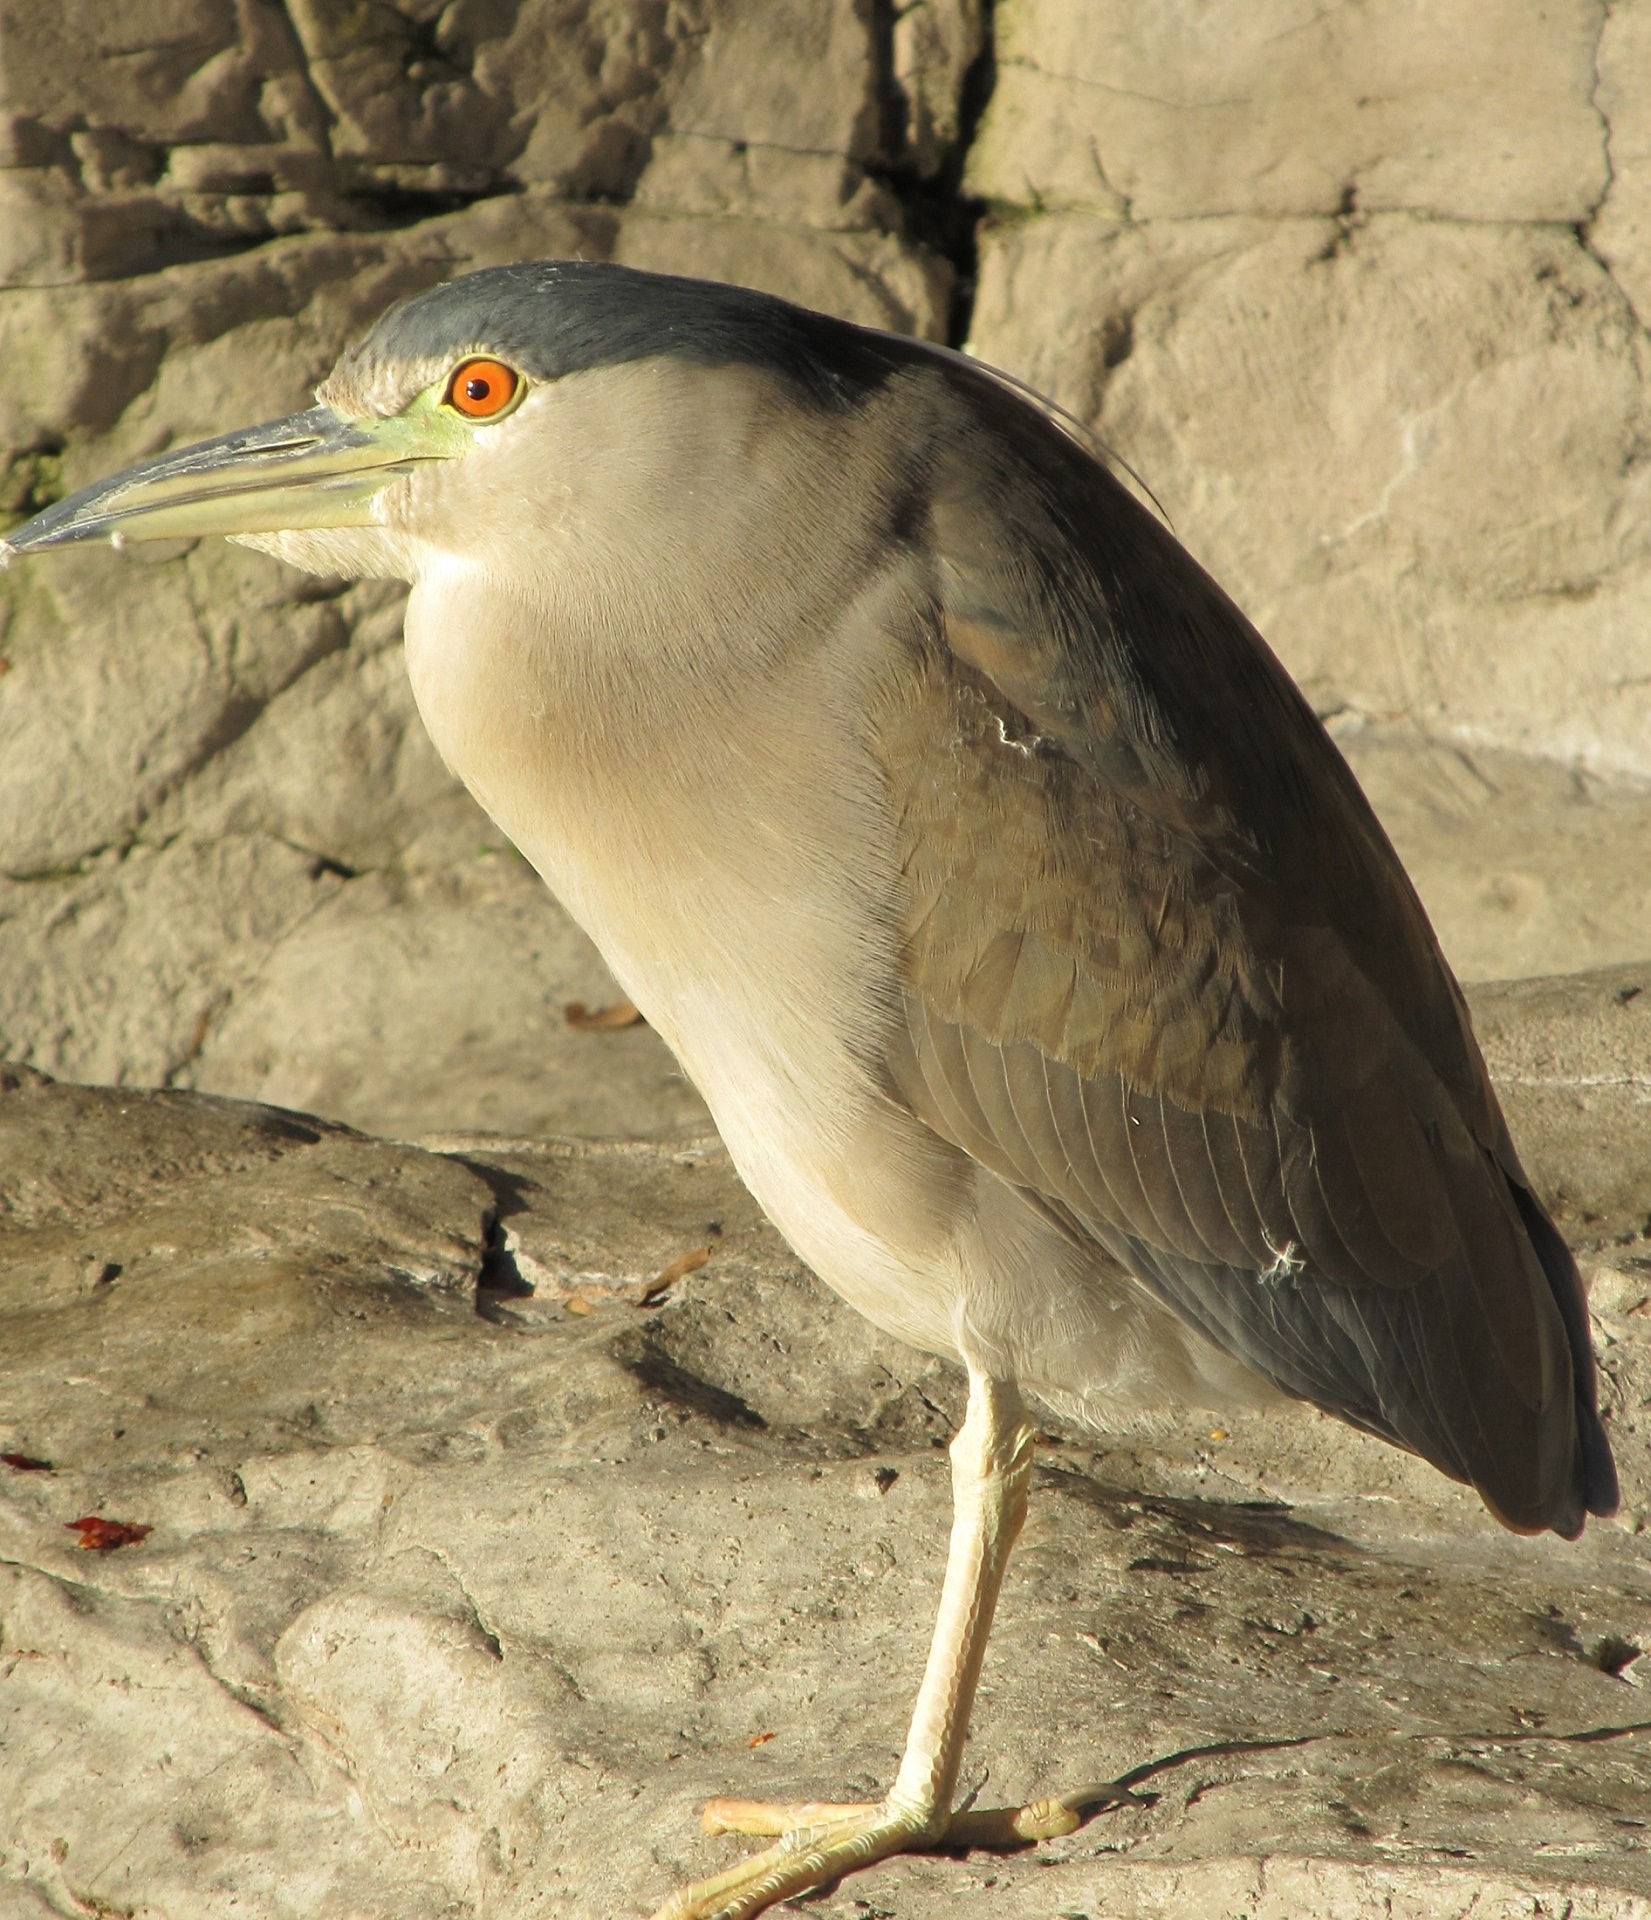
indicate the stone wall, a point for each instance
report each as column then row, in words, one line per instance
column 500, row 1499
column 1354, row 290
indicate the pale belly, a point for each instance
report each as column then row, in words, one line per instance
column 928, row 1246
column 827, row 1158
column 765, row 955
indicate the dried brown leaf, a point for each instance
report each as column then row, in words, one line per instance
column 98, row 1535
column 679, row 1269
column 585, row 1019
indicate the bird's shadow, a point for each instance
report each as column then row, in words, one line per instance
column 1255, row 1528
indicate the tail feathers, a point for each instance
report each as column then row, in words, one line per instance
column 1596, row 1469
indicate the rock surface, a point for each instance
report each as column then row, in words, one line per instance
column 229, row 858
column 1371, row 328
column 469, row 1574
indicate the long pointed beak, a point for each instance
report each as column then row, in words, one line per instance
column 314, row 469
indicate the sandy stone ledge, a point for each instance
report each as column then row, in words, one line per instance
column 469, row 1577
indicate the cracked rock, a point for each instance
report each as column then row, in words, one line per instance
column 457, row 1600
column 1280, row 108
column 1361, row 490
column 228, row 856
column 508, row 1495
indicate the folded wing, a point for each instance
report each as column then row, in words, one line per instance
column 1163, row 970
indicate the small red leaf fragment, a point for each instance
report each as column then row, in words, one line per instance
column 679, row 1269
column 26, row 1463
column 585, row 1019
column 103, row 1536
column 763, row 1739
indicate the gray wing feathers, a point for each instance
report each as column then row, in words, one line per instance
column 1269, row 1241
column 1165, row 973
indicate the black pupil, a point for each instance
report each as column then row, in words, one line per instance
column 477, row 388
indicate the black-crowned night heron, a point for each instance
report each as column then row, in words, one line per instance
column 1052, row 984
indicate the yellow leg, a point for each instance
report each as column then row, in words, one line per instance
column 991, row 1471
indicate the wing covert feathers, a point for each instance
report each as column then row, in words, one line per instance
column 1163, row 970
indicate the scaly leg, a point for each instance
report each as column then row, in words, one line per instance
column 991, row 1471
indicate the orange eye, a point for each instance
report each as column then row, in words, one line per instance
column 479, row 389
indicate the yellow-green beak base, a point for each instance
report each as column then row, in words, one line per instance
column 314, row 469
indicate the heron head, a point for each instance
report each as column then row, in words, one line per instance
column 480, row 420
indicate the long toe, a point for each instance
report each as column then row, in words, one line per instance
column 805, row 1858
column 822, row 1840
column 769, row 1817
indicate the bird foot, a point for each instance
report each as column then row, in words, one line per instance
column 820, row 1841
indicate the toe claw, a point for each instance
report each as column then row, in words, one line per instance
column 1012, row 1826
column 1046, row 1820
